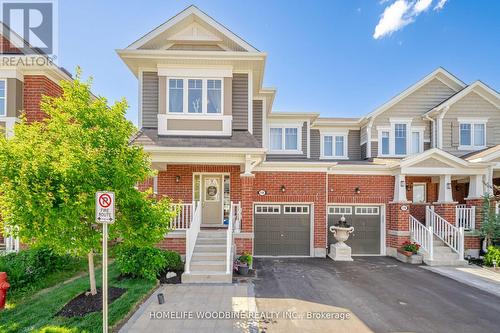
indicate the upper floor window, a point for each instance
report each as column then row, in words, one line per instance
column 400, row 139
column 385, row 142
column 472, row 135
column 334, row 146
column 3, row 99
column 284, row 139
column 195, row 96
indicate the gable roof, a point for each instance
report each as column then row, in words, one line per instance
column 485, row 155
column 478, row 87
column 440, row 74
column 191, row 11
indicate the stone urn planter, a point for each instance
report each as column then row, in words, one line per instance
column 340, row 251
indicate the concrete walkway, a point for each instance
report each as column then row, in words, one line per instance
column 474, row 276
column 187, row 307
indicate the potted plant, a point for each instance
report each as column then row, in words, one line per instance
column 244, row 262
column 409, row 248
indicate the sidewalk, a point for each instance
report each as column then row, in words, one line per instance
column 471, row 275
column 186, row 302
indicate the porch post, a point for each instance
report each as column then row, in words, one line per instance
column 476, row 187
column 243, row 240
column 398, row 225
column 400, row 188
column 445, row 193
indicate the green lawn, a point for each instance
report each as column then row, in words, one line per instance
column 37, row 313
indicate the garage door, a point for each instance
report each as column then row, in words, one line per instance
column 366, row 222
column 282, row 230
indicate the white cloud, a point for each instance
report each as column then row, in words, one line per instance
column 422, row 5
column 392, row 19
column 401, row 13
column 440, row 4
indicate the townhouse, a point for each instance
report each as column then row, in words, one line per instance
column 271, row 183
column 25, row 76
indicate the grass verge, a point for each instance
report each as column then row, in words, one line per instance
column 36, row 313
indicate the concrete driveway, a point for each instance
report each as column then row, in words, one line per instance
column 380, row 293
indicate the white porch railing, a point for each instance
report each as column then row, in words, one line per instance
column 466, row 217
column 236, row 216
column 11, row 244
column 422, row 235
column 447, row 232
column 229, row 240
column 183, row 219
column 192, row 235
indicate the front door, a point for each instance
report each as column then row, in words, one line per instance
column 212, row 195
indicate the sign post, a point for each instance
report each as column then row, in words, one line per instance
column 105, row 214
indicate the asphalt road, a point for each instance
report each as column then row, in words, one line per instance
column 382, row 294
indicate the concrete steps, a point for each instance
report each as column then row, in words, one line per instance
column 208, row 263
column 443, row 255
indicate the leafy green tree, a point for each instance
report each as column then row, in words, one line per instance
column 490, row 224
column 52, row 169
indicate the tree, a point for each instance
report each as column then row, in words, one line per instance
column 490, row 224
column 52, row 169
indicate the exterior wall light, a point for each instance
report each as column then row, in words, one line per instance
column 283, row 188
column 357, row 190
column 402, row 183
column 448, row 186
column 177, row 179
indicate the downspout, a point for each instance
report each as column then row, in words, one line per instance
column 433, row 130
column 369, row 138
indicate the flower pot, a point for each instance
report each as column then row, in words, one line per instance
column 406, row 253
column 243, row 270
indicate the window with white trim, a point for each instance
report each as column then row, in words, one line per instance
column 267, row 209
column 284, row 139
column 340, row 210
column 3, row 97
column 385, row 142
column 400, row 139
column 416, row 141
column 334, row 145
column 195, row 96
column 472, row 134
column 368, row 210
column 288, row 209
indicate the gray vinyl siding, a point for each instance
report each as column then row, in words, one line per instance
column 374, row 149
column 363, row 151
column 353, row 146
column 427, row 146
column 240, row 102
column 315, row 144
column 415, row 105
column 257, row 120
column 150, row 99
column 305, row 129
column 472, row 105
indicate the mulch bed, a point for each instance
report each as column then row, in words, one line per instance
column 83, row 304
column 171, row 280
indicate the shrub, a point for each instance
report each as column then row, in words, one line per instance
column 492, row 254
column 411, row 247
column 246, row 258
column 146, row 262
column 29, row 266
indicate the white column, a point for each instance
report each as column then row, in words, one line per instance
column 400, row 188
column 445, row 193
column 476, row 187
column 489, row 181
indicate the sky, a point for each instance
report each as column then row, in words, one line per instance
column 338, row 58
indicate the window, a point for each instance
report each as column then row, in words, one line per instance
column 276, row 138
column 419, row 193
column 195, row 92
column 340, row 210
column 267, row 209
column 400, row 139
column 385, row 143
column 214, row 95
column 284, row 139
column 195, row 96
column 415, row 142
column 296, row 209
column 367, row 210
column 472, row 134
column 290, row 138
column 334, row 146
column 3, row 99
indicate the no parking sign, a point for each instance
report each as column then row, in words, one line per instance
column 105, row 207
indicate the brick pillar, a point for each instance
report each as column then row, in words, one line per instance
column 247, row 202
column 478, row 203
column 398, row 230
column 446, row 211
column 472, row 240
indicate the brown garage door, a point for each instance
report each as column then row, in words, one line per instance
column 282, row 230
column 366, row 222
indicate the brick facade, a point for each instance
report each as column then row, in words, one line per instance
column 447, row 211
column 35, row 86
column 6, row 47
column 174, row 244
column 373, row 189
